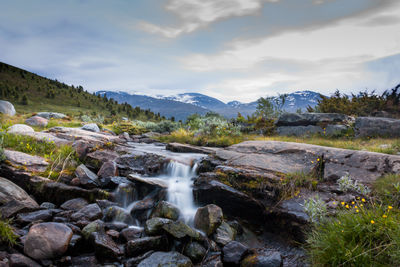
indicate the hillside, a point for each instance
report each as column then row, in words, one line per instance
column 33, row 93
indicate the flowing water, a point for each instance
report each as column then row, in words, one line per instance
column 178, row 174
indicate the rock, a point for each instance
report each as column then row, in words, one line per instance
column 185, row 148
column 51, row 115
column 299, row 130
column 20, row 128
column 131, row 233
column 213, row 261
column 208, row 218
column 115, row 181
column 36, row 121
column 82, row 148
column 97, row 158
column 25, row 161
column 46, row 137
column 165, row 259
column 118, row 214
column 84, row 261
column 118, row 226
column 266, row 258
column 195, row 252
column 19, row 260
column 108, row 169
column 305, row 119
column 96, row 226
column 152, row 183
column 140, row 162
column 7, row 108
column 166, row 210
column 92, row 127
column 75, row 242
column 90, row 213
column 233, row 253
column 105, row 248
column 14, row 199
column 224, row 234
column 86, row 177
column 154, row 226
column 375, row 126
column 40, row 215
column 141, row 245
column 181, row 230
column 47, row 240
column 336, row 130
column 113, row 234
column 74, row 204
column 47, row 205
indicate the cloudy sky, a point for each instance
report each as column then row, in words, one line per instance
column 229, row 49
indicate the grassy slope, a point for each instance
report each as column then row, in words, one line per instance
column 15, row 83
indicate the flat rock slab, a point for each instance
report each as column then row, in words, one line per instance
column 79, row 134
column 287, row 157
column 153, row 182
column 185, row 148
column 376, row 126
column 25, row 161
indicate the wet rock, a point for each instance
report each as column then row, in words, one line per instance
column 166, row 210
column 84, row 261
column 75, row 242
column 104, row 203
column 96, row 226
column 14, row 199
column 185, row 148
column 115, row 213
column 179, row 230
column 208, row 218
column 224, row 234
column 37, row 121
column 105, row 247
column 154, row 226
column 19, row 260
column 20, row 128
column 7, row 108
column 51, row 115
column 375, row 126
column 90, row 212
column 148, row 184
column 141, row 245
column 113, row 234
column 140, row 162
column 195, row 252
column 164, row 259
column 133, row 262
column 25, row 161
column 131, row 233
column 40, row 215
column 97, row 158
column 91, row 127
column 265, row 258
column 233, row 253
column 74, row 204
column 213, row 261
column 47, row 205
column 86, row 177
column 116, row 181
column 47, row 240
column 118, row 226
column 108, row 169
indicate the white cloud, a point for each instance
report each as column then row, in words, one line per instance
column 195, row 14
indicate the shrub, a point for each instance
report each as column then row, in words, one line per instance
column 347, row 184
column 369, row 237
column 6, row 233
column 130, row 128
column 316, row 209
column 291, row 183
column 387, row 189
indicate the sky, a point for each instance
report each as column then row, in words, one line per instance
column 228, row 49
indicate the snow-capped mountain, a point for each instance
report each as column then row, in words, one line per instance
column 182, row 105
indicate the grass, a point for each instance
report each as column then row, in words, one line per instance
column 6, row 233
column 369, row 237
column 291, row 183
column 387, row 189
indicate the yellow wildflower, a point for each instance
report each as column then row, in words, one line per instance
column 317, row 159
column 363, row 199
column 342, row 203
column 390, row 207
column 347, row 206
column 384, row 216
column 355, row 207
column 361, row 205
column 352, row 203
column 372, row 221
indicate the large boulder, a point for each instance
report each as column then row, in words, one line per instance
column 25, row 161
column 97, row 158
column 39, row 215
column 86, row 177
column 105, row 247
column 108, row 169
column 234, row 252
column 263, row 258
column 154, row 226
column 166, row 259
column 7, row 108
column 208, row 218
column 14, row 199
column 92, row 127
column 37, row 121
column 90, row 213
column 51, row 115
column 19, row 260
column 375, row 126
column 20, row 129
column 47, row 240
column 141, row 245
column 299, row 130
column 295, row 119
column 195, row 251
column 167, row 210
column 140, row 162
column 224, row 234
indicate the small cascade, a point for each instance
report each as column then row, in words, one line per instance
column 125, row 194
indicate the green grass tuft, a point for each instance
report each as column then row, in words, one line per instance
column 6, row 233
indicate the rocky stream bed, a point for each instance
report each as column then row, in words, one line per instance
column 136, row 202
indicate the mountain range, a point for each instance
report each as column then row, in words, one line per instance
column 182, row 105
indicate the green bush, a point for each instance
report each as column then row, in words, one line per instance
column 6, row 233
column 130, row 128
column 387, row 189
column 357, row 237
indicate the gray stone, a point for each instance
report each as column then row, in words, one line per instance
column 36, row 121
column 295, row 119
column 208, row 218
column 155, row 183
column 181, row 230
column 39, row 215
column 96, row 226
column 47, row 205
column 336, row 130
column 140, row 162
column 115, row 213
column 299, row 130
column 51, row 115
column 154, row 226
column 47, row 240
column 104, row 247
column 377, row 127
column 108, row 169
column 167, row 210
column 20, row 128
column 224, row 234
column 14, row 199
column 131, row 233
column 86, row 177
column 90, row 212
column 74, row 204
column 185, row 148
column 92, row 127
column 141, row 245
column 19, row 260
column 25, row 161
column 166, row 259
column 97, row 158
column 195, row 252
column 7, row 108
column 267, row 258
column 234, row 252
